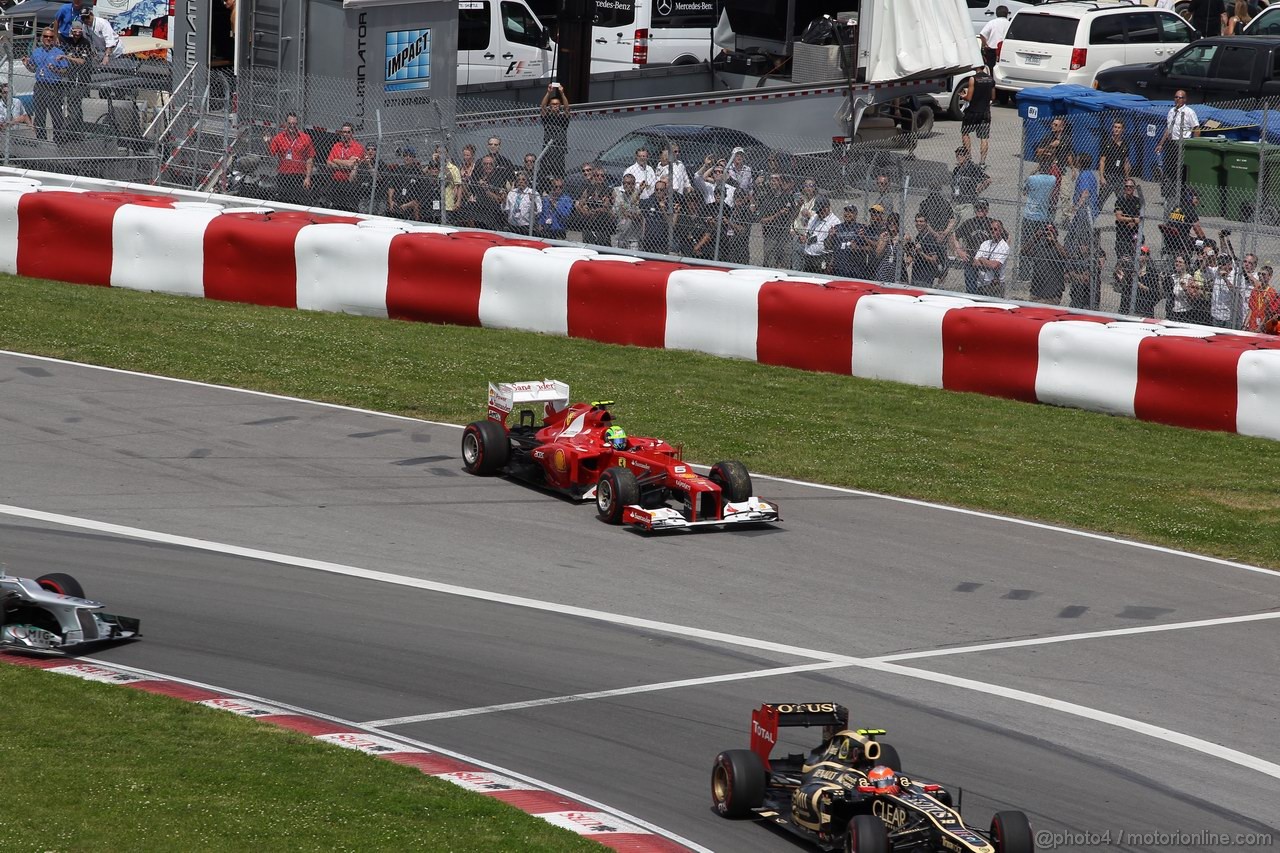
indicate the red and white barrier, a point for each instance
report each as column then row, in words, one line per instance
column 1185, row 376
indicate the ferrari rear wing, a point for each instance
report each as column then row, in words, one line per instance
column 505, row 396
column 770, row 716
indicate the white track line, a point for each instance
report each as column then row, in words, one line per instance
column 496, row 768
column 1039, row 525
column 1201, row 745
column 606, row 694
column 1069, row 638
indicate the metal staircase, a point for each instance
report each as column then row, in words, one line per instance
column 273, row 81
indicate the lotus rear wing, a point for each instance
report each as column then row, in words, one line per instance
column 770, row 716
column 505, row 396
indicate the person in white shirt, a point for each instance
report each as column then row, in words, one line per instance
column 992, row 36
column 738, row 170
column 102, row 36
column 816, row 253
column 643, row 173
column 711, row 181
column 675, row 174
column 1181, row 122
column 628, row 221
column 991, row 258
column 521, row 204
column 12, row 112
column 1229, row 298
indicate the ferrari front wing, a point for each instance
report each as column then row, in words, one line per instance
column 751, row 511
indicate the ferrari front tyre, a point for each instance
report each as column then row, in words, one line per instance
column 62, row 584
column 733, row 480
column 485, row 448
column 866, row 835
column 1011, row 833
column 616, row 490
column 737, row 783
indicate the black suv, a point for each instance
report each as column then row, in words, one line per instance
column 1222, row 68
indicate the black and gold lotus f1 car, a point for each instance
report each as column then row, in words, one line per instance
column 849, row 793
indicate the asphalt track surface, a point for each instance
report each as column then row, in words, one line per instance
column 1099, row 686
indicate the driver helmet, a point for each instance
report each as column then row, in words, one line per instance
column 616, row 437
column 883, row 779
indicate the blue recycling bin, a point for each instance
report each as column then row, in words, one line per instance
column 1037, row 107
column 1144, row 126
column 1089, row 115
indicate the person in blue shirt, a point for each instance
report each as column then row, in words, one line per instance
column 1038, row 189
column 49, row 65
column 68, row 14
column 557, row 207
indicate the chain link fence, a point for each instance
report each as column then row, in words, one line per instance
column 1132, row 207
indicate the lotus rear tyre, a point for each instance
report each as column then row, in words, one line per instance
column 733, row 480
column 737, row 783
column 616, row 490
column 866, row 835
column 1011, row 833
column 485, row 448
column 62, row 584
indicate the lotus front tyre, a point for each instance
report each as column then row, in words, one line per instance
column 1011, row 833
column 866, row 835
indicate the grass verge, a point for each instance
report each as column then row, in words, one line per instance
column 87, row 766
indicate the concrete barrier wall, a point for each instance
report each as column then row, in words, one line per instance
column 1184, row 376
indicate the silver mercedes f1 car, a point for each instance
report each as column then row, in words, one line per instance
column 51, row 615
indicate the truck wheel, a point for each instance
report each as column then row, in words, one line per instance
column 1011, row 833
column 616, row 490
column 737, row 783
column 923, row 122
column 955, row 109
column 733, row 480
column 485, row 448
column 866, row 835
column 62, row 584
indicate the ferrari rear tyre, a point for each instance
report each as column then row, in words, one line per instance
column 485, row 448
column 866, row 835
column 733, row 480
column 737, row 783
column 1011, row 833
column 616, row 490
column 62, row 584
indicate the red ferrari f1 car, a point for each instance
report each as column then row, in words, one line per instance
column 579, row 451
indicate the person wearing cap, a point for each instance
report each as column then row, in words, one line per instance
column 967, row 238
column 849, row 243
column 817, row 252
column 968, row 181
column 69, row 13
column 343, row 157
column 1181, row 222
column 80, row 54
column 101, row 35
column 12, row 112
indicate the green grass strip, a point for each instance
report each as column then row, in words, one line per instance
column 95, row 767
column 1209, row 492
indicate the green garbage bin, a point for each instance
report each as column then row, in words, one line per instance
column 1205, row 172
column 1241, row 161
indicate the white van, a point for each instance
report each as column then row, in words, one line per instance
column 629, row 34
column 500, row 40
column 1070, row 42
